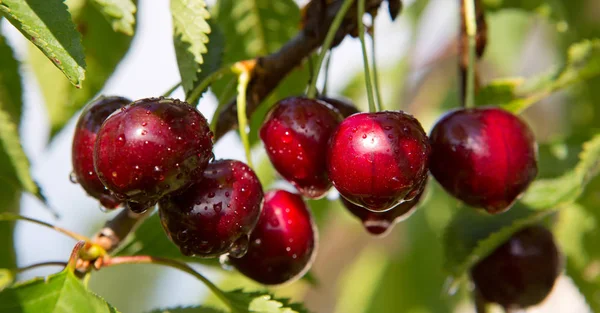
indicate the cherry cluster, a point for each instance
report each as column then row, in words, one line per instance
column 159, row 151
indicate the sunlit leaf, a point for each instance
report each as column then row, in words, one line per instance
column 554, row 192
column 104, row 50
column 517, row 94
column 119, row 13
column 47, row 24
column 61, row 292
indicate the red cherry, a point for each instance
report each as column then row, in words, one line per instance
column 150, row 148
column 283, row 244
column 216, row 215
column 485, row 157
column 381, row 223
column 521, row 272
column 378, row 160
column 295, row 135
column 86, row 130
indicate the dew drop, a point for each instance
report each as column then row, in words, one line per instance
column 225, row 264
column 183, row 236
column 287, row 137
column 73, row 177
column 218, row 207
column 239, row 247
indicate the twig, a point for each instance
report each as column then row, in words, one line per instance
column 41, row 264
column 471, row 28
column 115, row 230
column 15, row 217
column 145, row 259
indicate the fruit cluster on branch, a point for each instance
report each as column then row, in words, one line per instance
column 266, row 76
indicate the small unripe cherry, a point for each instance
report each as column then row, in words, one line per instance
column 82, row 153
column 381, row 223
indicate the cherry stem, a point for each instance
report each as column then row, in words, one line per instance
column 471, row 27
column 146, row 259
column 374, row 62
column 171, row 90
column 244, row 70
column 227, row 94
column 41, row 264
column 373, row 107
column 335, row 25
column 15, row 217
column 214, row 76
column 326, row 82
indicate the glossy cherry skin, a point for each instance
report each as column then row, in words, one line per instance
column 344, row 106
column 216, row 215
column 82, row 153
column 485, row 157
column 381, row 223
column 521, row 272
column 378, row 160
column 151, row 148
column 284, row 243
column 295, row 134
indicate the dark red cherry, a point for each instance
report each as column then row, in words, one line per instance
column 521, row 272
column 216, row 215
column 82, row 155
column 295, row 135
column 381, row 223
column 344, row 106
column 150, row 148
column 378, row 160
column 283, row 244
column 485, row 157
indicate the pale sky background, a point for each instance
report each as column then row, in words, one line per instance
column 148, row 70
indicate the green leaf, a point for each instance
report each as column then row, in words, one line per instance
column 47, row 24
column 10, row 117
column 517, row 94
column 198, row 44
column 119, row 13
column 257, row 27
column 262, row 302
column 7, row 277
column 195, row 309
column 554, row 192
column 471, row 236
column 546, row 9
column 104, row 50
column 150, row 239
column 61, row 292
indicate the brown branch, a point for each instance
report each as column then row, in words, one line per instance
column 273, row 68
column 115, row 230
column 268, row 73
